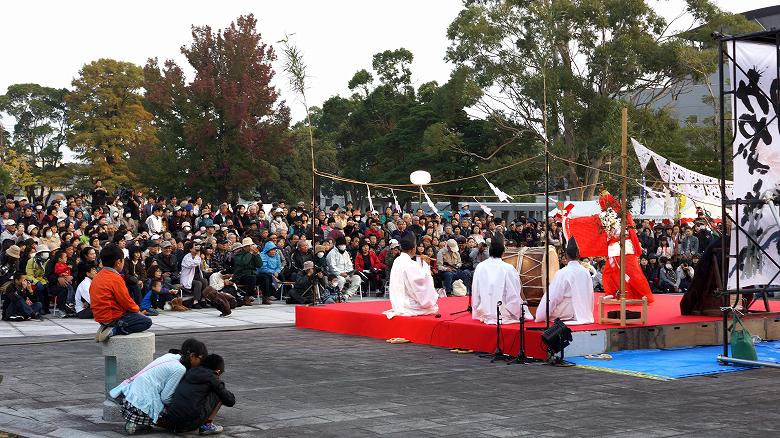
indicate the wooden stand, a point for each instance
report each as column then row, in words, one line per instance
column 623, row 302
column 621, row 295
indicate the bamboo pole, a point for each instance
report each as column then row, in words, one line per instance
column 623, row 206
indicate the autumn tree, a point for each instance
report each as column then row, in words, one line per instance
column 110, row 129
column 228, row 126
column 39, row 131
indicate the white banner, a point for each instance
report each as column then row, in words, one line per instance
column 642, row 153
column 756, row 156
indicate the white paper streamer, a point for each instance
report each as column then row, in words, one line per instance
column 430, row 203
column 370, row 201
column 488, row 211
column 503, row 197
column 395, row 201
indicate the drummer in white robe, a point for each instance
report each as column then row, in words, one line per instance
column 494, row 281
column 411, row 284
column 571, row 292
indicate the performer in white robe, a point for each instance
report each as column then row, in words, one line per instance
column 411, row 284
column 571, row 292
column 494, row 281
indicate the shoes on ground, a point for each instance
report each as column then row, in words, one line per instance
column 211, row 429
column 150, row 312
column 267, row 301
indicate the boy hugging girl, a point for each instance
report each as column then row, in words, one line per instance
column 180, row 391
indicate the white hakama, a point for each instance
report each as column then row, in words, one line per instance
column 571, row 296
column 411, row 288
column 494, row 281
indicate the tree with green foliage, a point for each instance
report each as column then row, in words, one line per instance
column 110, row 129
column 39, row 131
column 386, row 130
column 574, row 65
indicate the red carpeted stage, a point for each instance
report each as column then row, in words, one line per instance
column 665, row 327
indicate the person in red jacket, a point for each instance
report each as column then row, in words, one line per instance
column 367, row 262
column 110, row 301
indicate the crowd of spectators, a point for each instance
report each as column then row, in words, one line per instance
column 184, row 252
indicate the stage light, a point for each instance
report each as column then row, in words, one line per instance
column 556, row 338
column 420, row 177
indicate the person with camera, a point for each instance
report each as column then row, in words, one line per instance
column 19, row 300
column 304, row 290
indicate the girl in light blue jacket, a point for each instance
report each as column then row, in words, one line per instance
column 143, row 396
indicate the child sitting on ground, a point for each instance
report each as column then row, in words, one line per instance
column 198, row 398
column 155, row 294
column 331, row 294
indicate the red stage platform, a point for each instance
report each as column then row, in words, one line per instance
column 460, row 331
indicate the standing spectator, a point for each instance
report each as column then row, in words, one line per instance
column 154, row 222
column 111, row 304
column 99, row 195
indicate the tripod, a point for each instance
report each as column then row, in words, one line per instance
column 498, row 354
column 521, row 357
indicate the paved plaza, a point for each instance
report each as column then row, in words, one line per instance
column 194, row 320
column 299, row 383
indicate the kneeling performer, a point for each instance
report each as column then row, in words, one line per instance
column 411, row 284
column 571, row 292
column 494, row 281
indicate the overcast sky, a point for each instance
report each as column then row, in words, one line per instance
column 47, row 42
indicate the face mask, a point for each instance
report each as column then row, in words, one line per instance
column 668, row 266
column 342, row 248
column 44, row 256
column 187, row 228
column 334, row 283
column 128, row 215
column 320, row 254
column 278, row 219
column 48, row 234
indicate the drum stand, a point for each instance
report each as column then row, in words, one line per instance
column 498, row 354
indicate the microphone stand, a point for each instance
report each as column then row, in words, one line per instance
column 467, row 309
column 498, row 354
column 521, row 357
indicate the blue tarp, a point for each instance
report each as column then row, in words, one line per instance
column 674, row 363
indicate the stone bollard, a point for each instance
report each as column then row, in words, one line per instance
column 124, row 356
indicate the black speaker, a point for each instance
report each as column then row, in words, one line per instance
column 557, row 337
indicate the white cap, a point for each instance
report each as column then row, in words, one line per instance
column 185, row 224
column 155, row 237
column 394, row 243
column 10, row 222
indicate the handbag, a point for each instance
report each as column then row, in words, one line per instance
column 741, row 342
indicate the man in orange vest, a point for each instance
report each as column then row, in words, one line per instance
column 110, row 301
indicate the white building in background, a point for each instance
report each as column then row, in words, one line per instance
column 690, row 104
